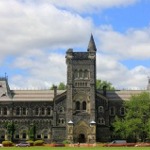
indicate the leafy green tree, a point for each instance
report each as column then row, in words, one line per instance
column 136, row 122
column 10, row 126
column 32, row 132
column 61, row 86
column 100, row 84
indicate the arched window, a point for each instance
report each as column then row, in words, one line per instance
column 18, row 111
column 61, row 109
column 77, row 105
column 101, row 121
column 84, row 105
column 100, row 109
column 122, row 111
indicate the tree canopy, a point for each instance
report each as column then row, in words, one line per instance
column 99, row 85
column 136, row 122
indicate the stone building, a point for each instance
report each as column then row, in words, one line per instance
column 78, row 114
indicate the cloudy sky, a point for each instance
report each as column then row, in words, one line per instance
column 35, row 34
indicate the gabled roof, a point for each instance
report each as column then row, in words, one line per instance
column 31, row 95
column 122, row 94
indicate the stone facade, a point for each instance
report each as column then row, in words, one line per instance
column 79, row 114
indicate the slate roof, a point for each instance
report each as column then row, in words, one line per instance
column 31, row 95
column 122, row 94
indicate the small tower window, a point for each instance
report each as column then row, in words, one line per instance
column 86, row 74
column 77, row 105
column 84, row 105
column 80, row 74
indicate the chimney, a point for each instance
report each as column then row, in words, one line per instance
column 55, row 91
column 104, row 90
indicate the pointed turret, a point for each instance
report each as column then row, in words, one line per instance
column 91, row 46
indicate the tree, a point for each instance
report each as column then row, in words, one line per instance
column 136, row 122
column 32, row 132
column 100, row 84
column 61, row 86
column 10, row 130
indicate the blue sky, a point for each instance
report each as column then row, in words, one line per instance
column 36, row 34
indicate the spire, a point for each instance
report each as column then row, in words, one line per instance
column 91, row 46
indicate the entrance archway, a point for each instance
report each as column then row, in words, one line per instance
column 81, row 138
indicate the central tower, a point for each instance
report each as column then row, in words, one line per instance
column 80, row 102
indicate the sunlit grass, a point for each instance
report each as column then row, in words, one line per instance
column 73, row 148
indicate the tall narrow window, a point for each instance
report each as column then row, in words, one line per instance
column 86, row 74
column 80, row 74
column 5, row 110
column 122, row 111
column 77, row 105
column 84, row 105
column 112, row 111
column 42, row 111
column 49, row 111
column 18, row 111
column 24, row 111
column 36, row 111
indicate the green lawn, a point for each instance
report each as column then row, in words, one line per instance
column 76, row 148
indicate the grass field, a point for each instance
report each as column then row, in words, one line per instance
column 76, row 148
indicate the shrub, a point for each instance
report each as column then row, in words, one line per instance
column 30, row 142
column 7, row 143
column 39, row 143
column 66, row 142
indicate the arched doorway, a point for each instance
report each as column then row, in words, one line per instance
column 81, row 138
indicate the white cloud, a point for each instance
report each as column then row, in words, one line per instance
column 42, row 70
column 32, row 30
column 26, row 26
column 135, row 43
column 109, row 69
column 89, row 6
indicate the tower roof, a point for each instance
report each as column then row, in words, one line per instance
column 92, row 46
